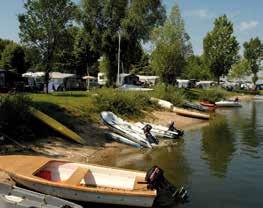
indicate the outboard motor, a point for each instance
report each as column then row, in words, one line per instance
column 147, row 131
column 171, row 127
column 167, row 193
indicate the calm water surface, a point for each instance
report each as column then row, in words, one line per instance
column 221, row 164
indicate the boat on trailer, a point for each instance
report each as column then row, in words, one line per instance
column 79, row 182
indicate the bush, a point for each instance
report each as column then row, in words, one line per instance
column 169, row 93
column 129, row 104
column 213, row 94
column 15, row 116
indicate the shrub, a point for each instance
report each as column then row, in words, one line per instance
column 169, row 93
column 15, row 116
column 129, row 104
column 213, row 94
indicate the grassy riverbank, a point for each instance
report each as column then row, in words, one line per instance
column 81, row 110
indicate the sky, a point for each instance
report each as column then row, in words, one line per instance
column 199, row 16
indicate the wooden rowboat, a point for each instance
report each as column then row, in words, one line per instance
column 189, row 113
column 79, row 182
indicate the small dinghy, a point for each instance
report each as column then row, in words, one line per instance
column 127, row 130
column 90, row 183
column 86, row 182
column 121, row 139
column 195, row 106
column 228, row 103
column 161, row 131
column 163, row 103
column 12, row 196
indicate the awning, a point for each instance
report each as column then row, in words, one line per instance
column 89, row 77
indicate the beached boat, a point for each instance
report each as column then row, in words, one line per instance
column 161, row 131
column 79, row 182
column 52, row 123
column 189, row 113
column 228, row 103
column 125, row 129
column 163, row 103
column 208, row 104
column 13, row 196
column 121, row 139
column 195, row 106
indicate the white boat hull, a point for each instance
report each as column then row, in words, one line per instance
column 228, row 104
column 160, row 131
column 121, row 139
column 84, row 196
column 125, row 129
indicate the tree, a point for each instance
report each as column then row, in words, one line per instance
column 174, row 30
column 168, row 62
column 42, row 26
column 13, row 57
column 85, row 58
column 240, row 69
column 3, row 44
column 253, row 52
column 220, row 47
column 172, row 47
column 196, row 69
column 102, row 19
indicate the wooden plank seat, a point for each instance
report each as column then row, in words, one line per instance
column 77, row 176
column 140, row 183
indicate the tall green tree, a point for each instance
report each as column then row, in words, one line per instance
column 43, row 24
column 172, row 47
column 253, row 52
column 102, row 19
column 240, row 69
column 85, row 58
column 196, row 69
column 168, row 62
column 13, row 57
column 3, row 44
column 220, row 47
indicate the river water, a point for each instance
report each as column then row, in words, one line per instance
column 220, row 164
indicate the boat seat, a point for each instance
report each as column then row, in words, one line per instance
column 140, row 184
column 77, row 176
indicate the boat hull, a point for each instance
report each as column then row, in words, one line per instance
column 84, row 196
column 191, row 114
column 79, row 182
column 228, row 104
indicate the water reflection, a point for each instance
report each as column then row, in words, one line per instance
column 218, row 145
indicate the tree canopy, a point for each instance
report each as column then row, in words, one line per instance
column 135, row 19
column 43, row 25
column 13, row 57
column 253, row 52
column 220, row 47
column 172, row 47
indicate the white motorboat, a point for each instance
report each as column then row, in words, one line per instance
column 121, row 139
column 125, row 129
column 161, row 131
column 228, row 103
